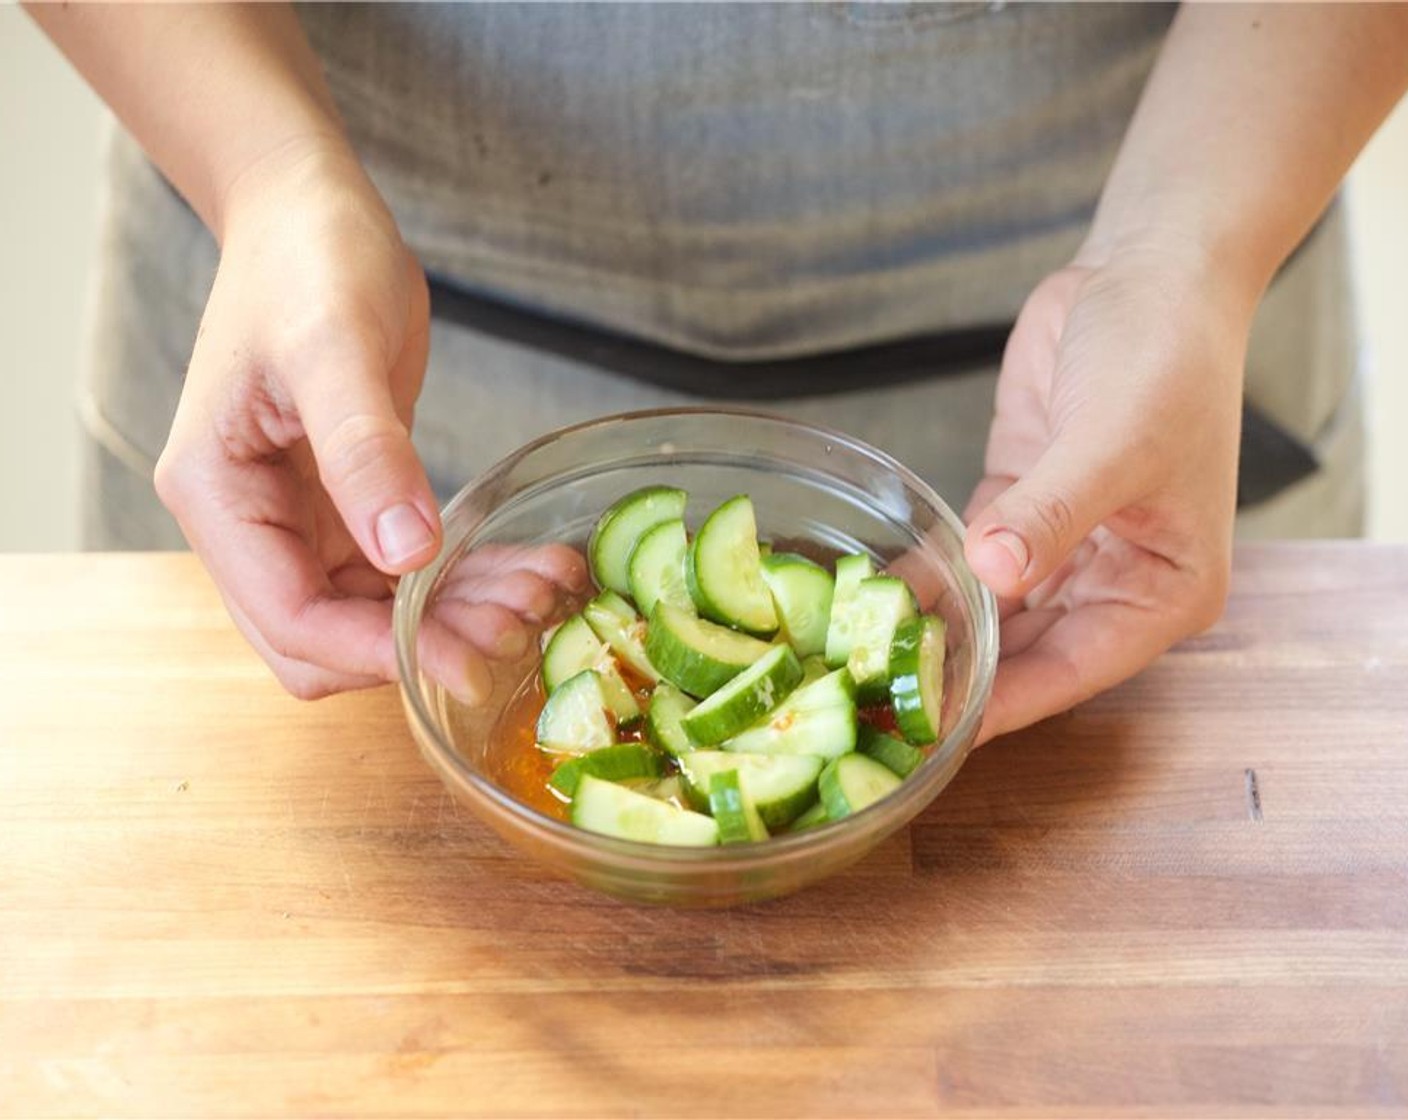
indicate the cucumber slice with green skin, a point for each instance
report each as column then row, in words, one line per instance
column 696, row 655
column 616, row 623
column 817, row 719
column 573, row 647
column 850, row 570
column 613, row 810
column 735, row 814
column 781, row 786
column 745, row 699
column 668, row 706
column 668, row 789
column 614, row 763
column 812, row 818
column 724, row 570
column 801, row 593
column 813, row 668
column 917, row 678
column 854, row 782
column 657, row 568
column 881, row 603
column 576, row 717
column 893, row 754
column 622, row 525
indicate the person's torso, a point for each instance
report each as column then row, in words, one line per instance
column 742, row 180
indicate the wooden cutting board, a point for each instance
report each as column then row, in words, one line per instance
column 1189, row 897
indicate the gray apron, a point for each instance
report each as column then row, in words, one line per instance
column 741, row 182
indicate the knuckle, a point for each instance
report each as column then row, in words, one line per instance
column 1208, row 605
column 304, row 684
column 359, row 446
column 169, row 478
column 1054, row 516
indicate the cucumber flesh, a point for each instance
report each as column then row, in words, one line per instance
column 696, row 655
column 614, row 763
column 724, row 570
column 668, row 706
column 850, row 570
column 622, row 525
column 894, row 754
column 854, row 782
column 817, row 719
column 881, row 603
column 917, row 678
column 669, row 789
column 613, row 810
column 576, row 717
column 737, row 817
column 573, row 647
column 801, row 593
column 657, row 568
column 745, row 699
column 781, row 786
column 813, row 668
column 616, row 623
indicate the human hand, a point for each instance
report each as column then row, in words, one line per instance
column 289, row 465
column 1104, row 522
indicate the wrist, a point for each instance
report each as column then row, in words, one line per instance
column 300, row 165
column 1234, row 267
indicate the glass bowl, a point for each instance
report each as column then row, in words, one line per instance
column 815, row 491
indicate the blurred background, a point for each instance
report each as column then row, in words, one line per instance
column 49, row 136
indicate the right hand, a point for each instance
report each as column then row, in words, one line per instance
column 289, row 464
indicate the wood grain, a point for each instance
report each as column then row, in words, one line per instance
column 1188, row 897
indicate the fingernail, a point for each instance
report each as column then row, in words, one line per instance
column 512, row 643
column 1002, row 555
column 402, row 534
column 477, row 684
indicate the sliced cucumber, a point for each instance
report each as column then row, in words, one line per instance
column 614, row 763
column 854, row 782
column 917, row 678
column 735, row 814
column 817, row 719
column 850, row 570
column 573, row 647
column 893, row 754
column 668, row 706
column 724, row 570
column 745, row 699
column 616, row 623
column 669, row 789
column 620, row 527
column 576, row 717
column 613, row 810
column 696, row 655
column 657, row 568
column 881, row 603
column 813, row 668
column 780, row 785
column 812, row 818
column 801, row 593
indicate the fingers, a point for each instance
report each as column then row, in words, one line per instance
column 1029, row 530
column 363, row 449
column 251, row 525
column 1074, row 656
column 300, row 679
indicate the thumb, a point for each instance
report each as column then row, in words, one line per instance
column 1029, row 529
column 366, row 460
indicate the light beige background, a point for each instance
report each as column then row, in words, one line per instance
column 49, row 126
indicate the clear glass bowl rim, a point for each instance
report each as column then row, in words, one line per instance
column 899, row 807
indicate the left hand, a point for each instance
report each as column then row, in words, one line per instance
column 1104, row 522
